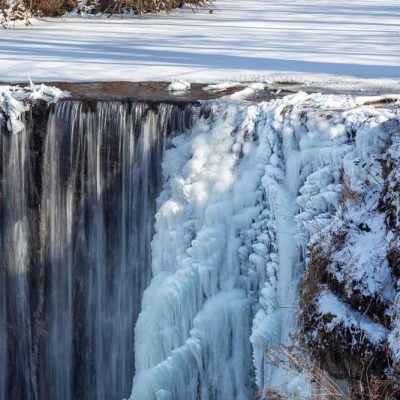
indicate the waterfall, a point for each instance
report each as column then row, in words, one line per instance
column 77, row 216
column 16, row 323
column 164, row 244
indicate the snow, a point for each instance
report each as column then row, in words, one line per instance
column 15, row 101
column 220, row 87
column 240, row 40
column 248, row 91
column 364, row 257
column 329, row 304
column 245, row 192
column 179, row 86
column 394, row 337
column 353, row 233
column 250, row 187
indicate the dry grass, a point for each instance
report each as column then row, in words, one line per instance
column 348, row 195
column 11, row 13
column 377, row 389
column 294, row 359
column 50, row 8
column 325, row 387
column 142, row 6
column 314, row 276
column 393, row 257
column 23, row 9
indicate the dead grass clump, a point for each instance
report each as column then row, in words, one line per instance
column 295, row 359
column 50, row 8
column 393, row 258
column 269, row 393
column 339, row 240
column 12, row 12
column 366, row 387
column 314, row 276
column 144, row 6
column 375, row 388
column 22, row 9
column 348, row 195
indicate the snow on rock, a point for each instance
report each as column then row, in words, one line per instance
column 178, row 86
column 394, row 337
column 342, row 314
column 15, row 101
column 349, row 287
column 222, row 86
column 245, row 193
column 364, row 256
column 248, row 91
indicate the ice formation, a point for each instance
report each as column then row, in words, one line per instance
column 247, row 189
column 15, row 101
column 245, row 193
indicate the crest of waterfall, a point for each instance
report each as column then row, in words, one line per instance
column 77, row 207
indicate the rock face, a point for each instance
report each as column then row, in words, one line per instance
column 350, row 290
column 77, row 202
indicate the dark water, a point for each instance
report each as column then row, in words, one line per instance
column 77, row 203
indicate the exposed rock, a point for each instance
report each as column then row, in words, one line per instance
column 349, row 296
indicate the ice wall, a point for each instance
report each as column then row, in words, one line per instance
column 243, row 195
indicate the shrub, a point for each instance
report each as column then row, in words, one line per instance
column 140, row 6
column 295, row 359
column 11, row 11
column 17, row 10
column 50, row 8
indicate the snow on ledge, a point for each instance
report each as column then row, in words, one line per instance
column 248, row 91
column 178, row 86
column 328, row 303
column 15, row 101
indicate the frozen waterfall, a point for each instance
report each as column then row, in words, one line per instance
column 164, row 243
column 243, row 195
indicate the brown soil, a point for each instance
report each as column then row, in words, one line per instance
column 151, row 91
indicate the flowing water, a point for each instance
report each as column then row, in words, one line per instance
column 77, row 215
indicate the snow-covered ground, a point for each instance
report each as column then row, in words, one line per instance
column 241, row 39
